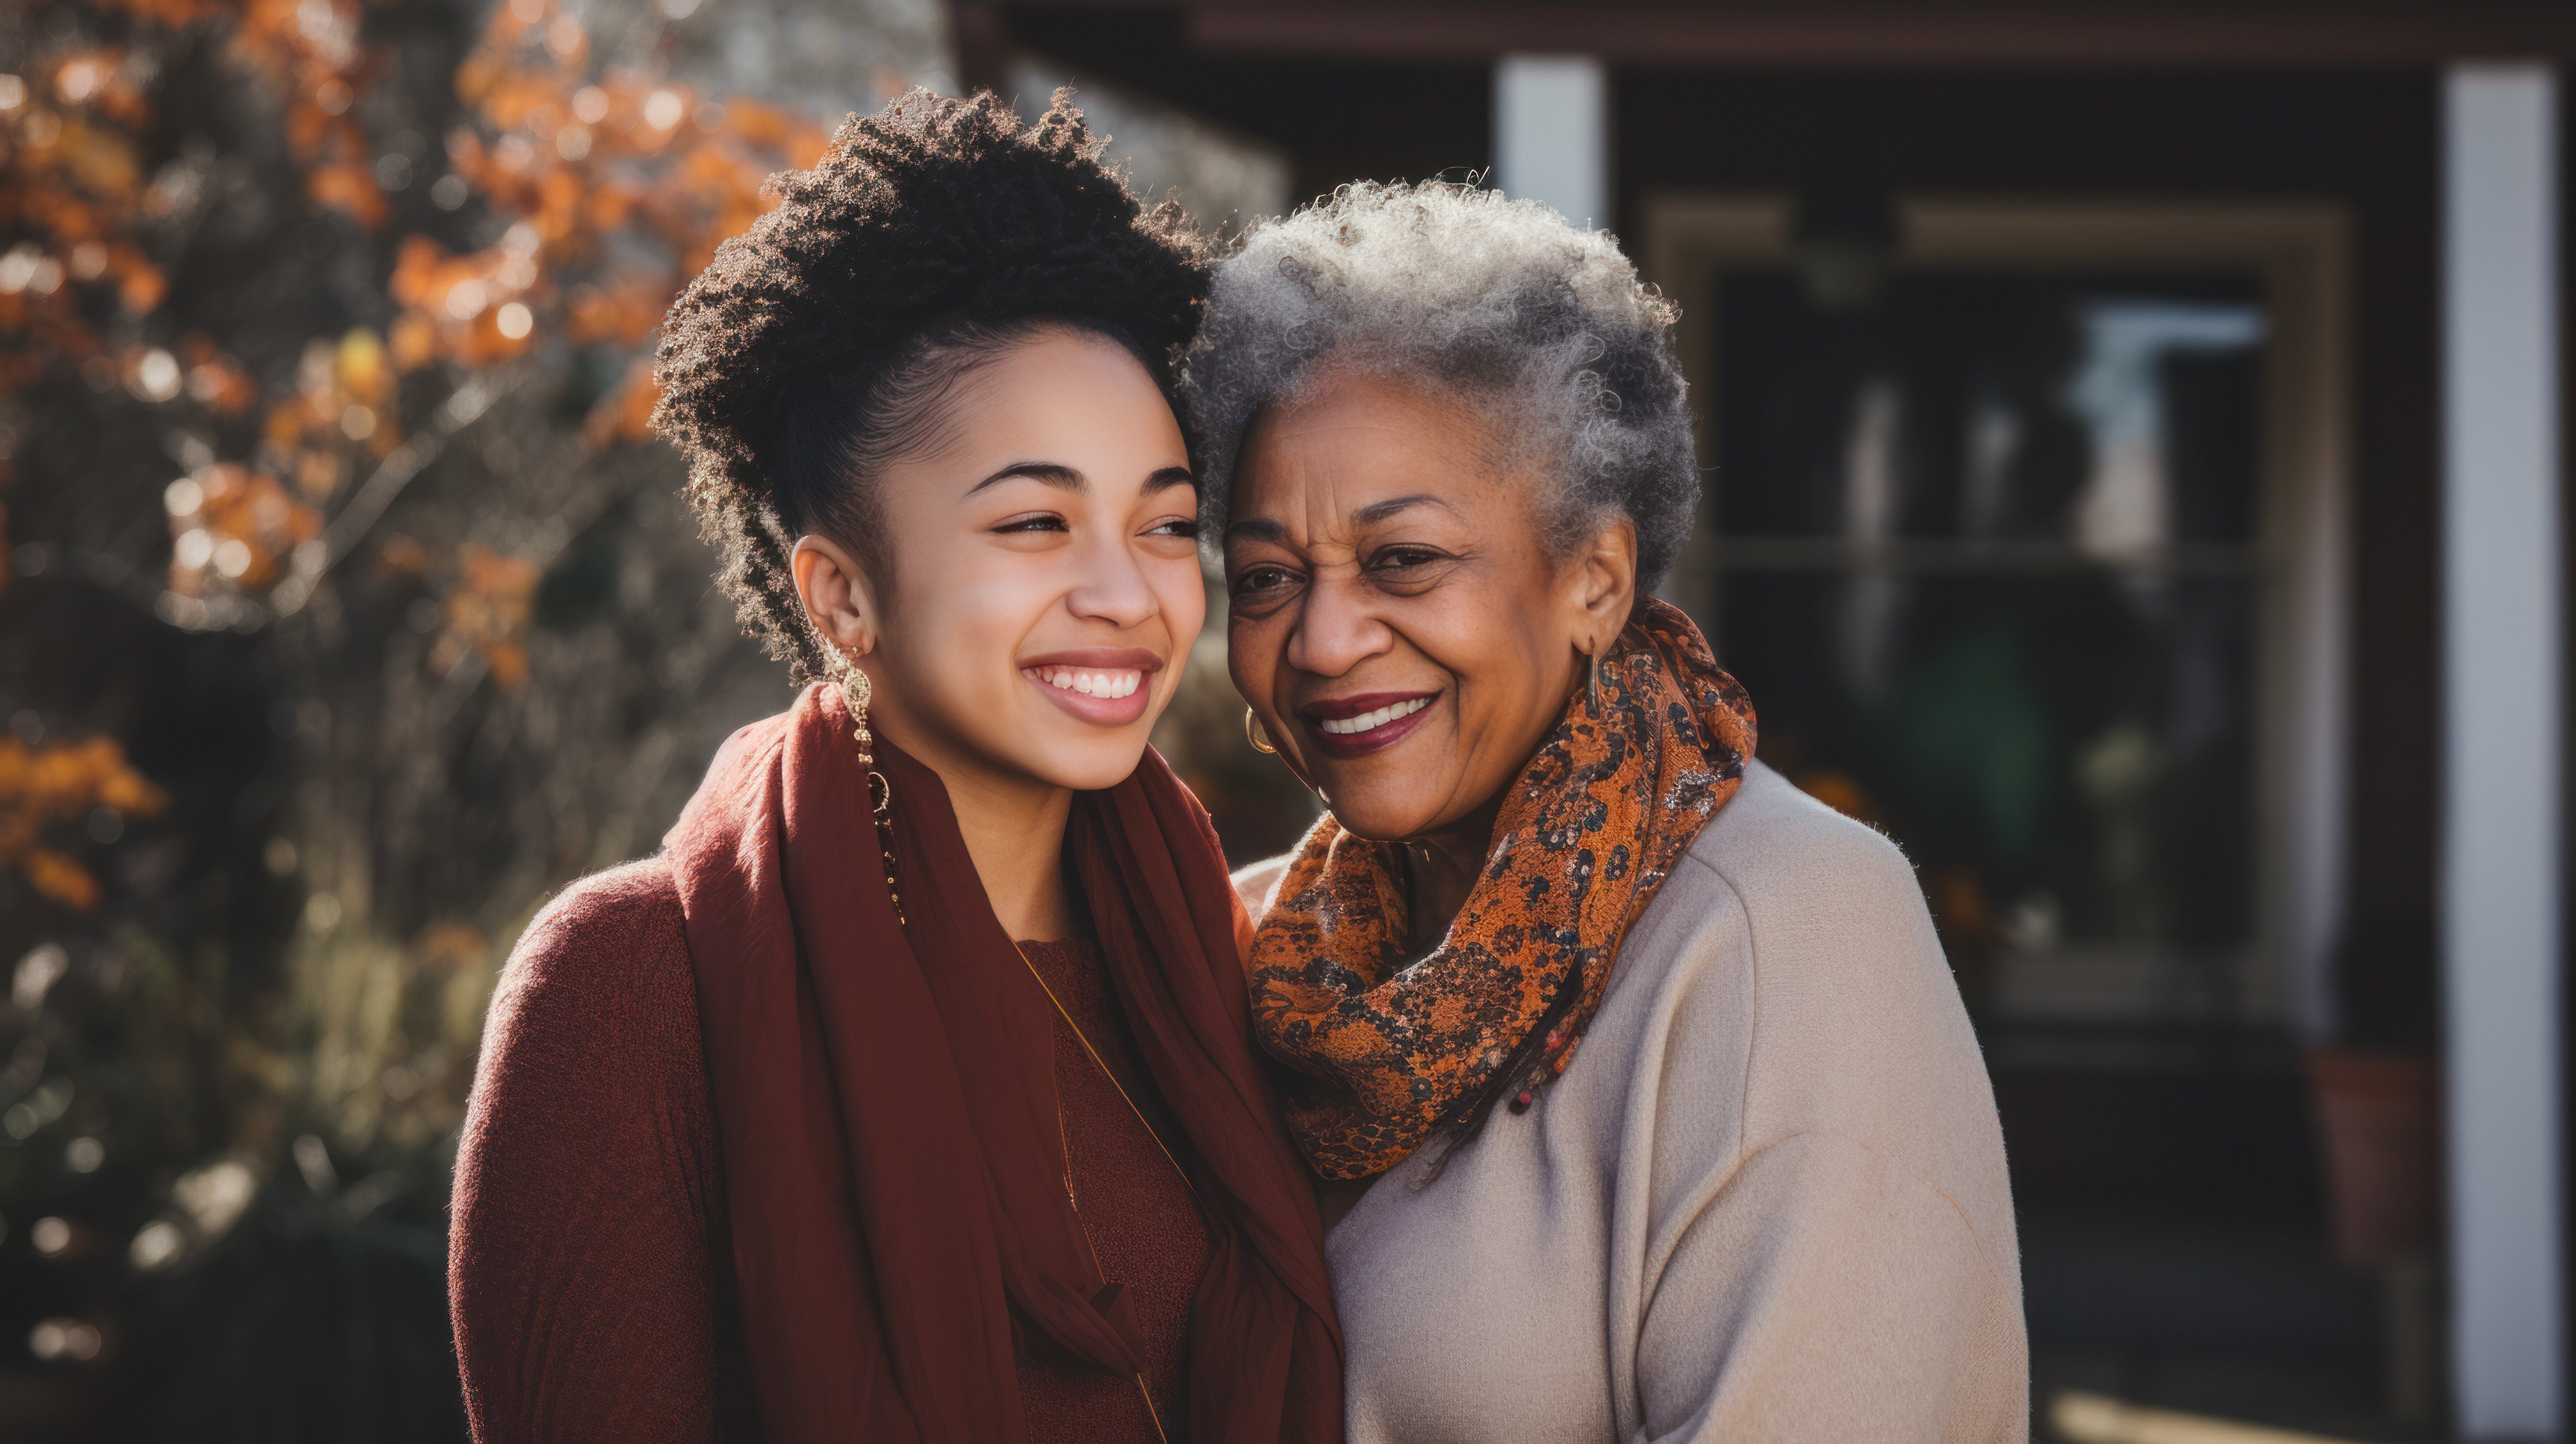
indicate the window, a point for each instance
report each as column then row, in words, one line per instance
column 2027, row 550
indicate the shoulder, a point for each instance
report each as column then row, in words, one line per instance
column 1256, row 882
column 600, row 976
column 585, row 1247
column 1786, row 853
column 592, row 1072
column 1782, row 879
column 1806, row 894
column 1794, row 950
column 612, row 929
column 633, row 903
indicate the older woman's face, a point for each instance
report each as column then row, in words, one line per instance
column 1399, row 623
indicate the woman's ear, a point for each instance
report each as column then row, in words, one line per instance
column 838, row 600
column 1605, row 583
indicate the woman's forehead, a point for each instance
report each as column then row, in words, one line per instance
column 1360, row 423
column 1308, row 500
column 1359, row 450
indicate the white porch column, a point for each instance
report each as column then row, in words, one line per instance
column 2501, row 721
column 1552, row 133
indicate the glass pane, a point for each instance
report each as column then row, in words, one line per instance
column 2114, row 419
column 1988, row 566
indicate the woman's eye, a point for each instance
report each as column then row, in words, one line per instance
column 1036, row 521
column 1173, row 526
column 1259, row 579
column 1399, row 558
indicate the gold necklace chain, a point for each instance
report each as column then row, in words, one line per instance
column 1151, row 1413
column 1080, row 1037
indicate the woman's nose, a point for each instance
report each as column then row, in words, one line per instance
column 1335, row 630
column 1113, row 588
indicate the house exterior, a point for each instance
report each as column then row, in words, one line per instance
column 2136, row 483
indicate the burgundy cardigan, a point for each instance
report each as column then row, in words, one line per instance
column 588, row 1263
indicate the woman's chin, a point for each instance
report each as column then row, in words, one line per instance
column 1084, row 756
column 1373, row 814
column 1088, row 766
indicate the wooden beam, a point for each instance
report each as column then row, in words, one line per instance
column 1984, row 36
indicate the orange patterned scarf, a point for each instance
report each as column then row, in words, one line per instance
column 1387, row 1053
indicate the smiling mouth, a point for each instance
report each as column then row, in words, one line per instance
column 1101, row 686
column 1350, row 728
column 1371, row 721
column 1104, row 682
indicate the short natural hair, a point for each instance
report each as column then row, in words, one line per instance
column 1500, row 302
column 823, row 342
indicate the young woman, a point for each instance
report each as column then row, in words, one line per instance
column 1658, row 1104
column 906, row 1095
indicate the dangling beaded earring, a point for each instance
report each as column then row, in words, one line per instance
column 857, row 691
column 880, row 800
column 841, row 669
column 1596, row 684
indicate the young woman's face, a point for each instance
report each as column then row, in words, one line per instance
column 1398, row 622
column 1045, row 580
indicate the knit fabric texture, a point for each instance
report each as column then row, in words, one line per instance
column 588, row 1266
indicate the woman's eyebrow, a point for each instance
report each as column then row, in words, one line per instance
column 1051, row 473
column 1169, row 476
column 1378, row 511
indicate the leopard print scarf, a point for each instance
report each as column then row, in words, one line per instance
column 1387, row 1053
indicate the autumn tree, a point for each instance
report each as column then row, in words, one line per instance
column 345, row 609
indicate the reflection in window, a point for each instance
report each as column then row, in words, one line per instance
column 2118, row 388
column 1988, row 562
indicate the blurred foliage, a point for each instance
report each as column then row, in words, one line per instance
column 55, row 783
column 342, row 617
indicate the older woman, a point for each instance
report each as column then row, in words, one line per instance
column 1661, row 1112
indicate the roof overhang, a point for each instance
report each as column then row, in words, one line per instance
column 1976, row 35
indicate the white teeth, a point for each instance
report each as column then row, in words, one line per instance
column 1371, row 721
column 1111, row 684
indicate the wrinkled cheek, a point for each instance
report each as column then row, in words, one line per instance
column 1252, row 656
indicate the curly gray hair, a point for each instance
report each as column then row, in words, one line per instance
column 1498, row 301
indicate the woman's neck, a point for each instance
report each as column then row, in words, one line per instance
column 1013, row 827
column 1017, row 841
column 1440, row 869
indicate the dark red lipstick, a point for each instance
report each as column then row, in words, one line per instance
column 1404, row 713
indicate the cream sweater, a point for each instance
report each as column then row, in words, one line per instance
column 1766, row 1202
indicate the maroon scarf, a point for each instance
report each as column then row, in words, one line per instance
column 885, row 1104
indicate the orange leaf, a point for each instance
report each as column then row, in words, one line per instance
column 414, row 342
column 350, row 188
column 60, row 878
column 509, row 662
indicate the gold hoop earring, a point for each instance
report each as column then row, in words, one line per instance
column 1253, row 734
